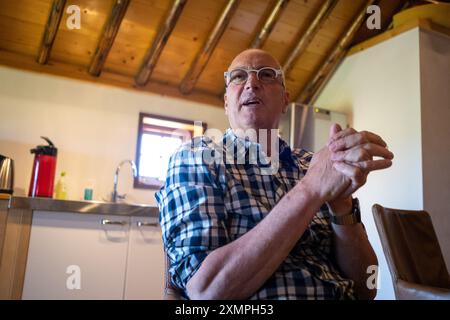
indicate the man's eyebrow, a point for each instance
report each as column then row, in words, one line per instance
column 257, row 67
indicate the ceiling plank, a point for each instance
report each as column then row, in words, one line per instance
column 71, row 71
column 108, row 35
column 51, row 28
column 153, row 54
column 310, row 93
column 205, row 53
column 309, row 34
column 264, row 33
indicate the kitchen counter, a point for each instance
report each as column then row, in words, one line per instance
column 83, row 207
column 77, row 222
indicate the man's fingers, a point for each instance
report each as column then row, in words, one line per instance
column 352, row 155
column 357, row 176
column 342, row 133
column 373, row 165
column 334, row 129
column 354, row 173
column 362, row 153
column 351, row 140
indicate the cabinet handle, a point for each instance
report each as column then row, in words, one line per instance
column 146, row 224
column 106, row 221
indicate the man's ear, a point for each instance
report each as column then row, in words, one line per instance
column 286, row 101
column 225, row 103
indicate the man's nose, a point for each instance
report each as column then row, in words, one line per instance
column 252, row 81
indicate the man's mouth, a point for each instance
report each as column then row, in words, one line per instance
column 252, row 103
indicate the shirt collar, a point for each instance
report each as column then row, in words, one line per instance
column 243, row 145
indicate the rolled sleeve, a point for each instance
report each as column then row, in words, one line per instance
column 192, row 213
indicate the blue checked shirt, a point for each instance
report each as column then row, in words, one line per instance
column 207, row 204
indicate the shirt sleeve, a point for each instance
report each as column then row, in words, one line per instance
column 192, row 212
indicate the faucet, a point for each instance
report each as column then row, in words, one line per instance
column 115, row 195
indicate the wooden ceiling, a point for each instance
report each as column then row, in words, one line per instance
column 181, row 47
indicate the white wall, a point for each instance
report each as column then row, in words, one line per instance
column 435, row 84
column 93, row 126
column 380, row 89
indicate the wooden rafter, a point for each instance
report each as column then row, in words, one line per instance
column 388, row 8
column 310, row 93
column 71, row 71
column 205, row 53
column 404, row 5
column 309, row 34
column 388, row 11
column 108, row 35
column 153, row 54
column 274, row 15
column 51, row 28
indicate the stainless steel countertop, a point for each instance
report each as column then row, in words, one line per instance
column 84, row 207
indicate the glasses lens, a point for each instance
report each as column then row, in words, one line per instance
column 267, row 75
column 238, row 76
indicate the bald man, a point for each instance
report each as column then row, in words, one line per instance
column 233, row 231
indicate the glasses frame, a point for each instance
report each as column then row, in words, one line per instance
column 278, row 72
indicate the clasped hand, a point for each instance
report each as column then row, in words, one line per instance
column 342, row 167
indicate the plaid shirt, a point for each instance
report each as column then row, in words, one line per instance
column 205, row 205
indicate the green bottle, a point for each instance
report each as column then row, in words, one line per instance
column 89, row 190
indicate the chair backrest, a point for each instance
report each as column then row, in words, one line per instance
column 411, row 247
column 170, row 291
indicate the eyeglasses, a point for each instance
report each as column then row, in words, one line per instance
column 264, row 74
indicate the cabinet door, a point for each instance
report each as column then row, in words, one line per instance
column 76, row 256
column 145, row 267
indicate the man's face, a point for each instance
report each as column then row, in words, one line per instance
column 255, row 104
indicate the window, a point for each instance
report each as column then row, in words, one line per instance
column 158, row 138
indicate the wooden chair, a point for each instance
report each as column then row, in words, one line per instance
column 413, row 254
column 170, row 291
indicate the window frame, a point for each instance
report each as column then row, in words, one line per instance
column 156, row 184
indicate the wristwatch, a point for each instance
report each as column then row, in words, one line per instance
column 352, row 218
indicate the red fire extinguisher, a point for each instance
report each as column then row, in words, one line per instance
column 44, row 168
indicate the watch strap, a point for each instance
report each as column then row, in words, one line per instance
column 352, row 218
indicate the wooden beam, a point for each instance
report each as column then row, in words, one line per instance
column 424, row 24
column 368, row 38
column 274, row 16
column 405, row 5
column 108, row 35
column 309, row 34
column 51, row 28
column 205, row 53
column 152, row 55
column 24, row 62
column 311, row 92
column 388, row 8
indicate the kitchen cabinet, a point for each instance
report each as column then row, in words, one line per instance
column 93, row 256
column 145, row 262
